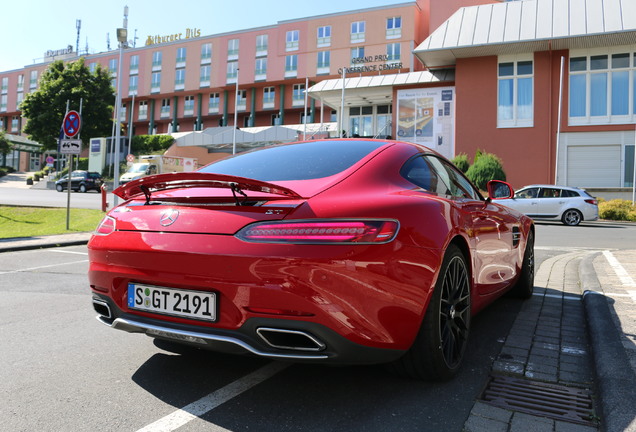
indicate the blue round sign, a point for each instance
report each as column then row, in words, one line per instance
column 72, row 123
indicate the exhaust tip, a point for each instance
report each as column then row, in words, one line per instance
column 102, row 308
column 290, row 339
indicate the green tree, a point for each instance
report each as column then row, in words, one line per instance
column 72, row 82
column 485, row 167
column 5, row 144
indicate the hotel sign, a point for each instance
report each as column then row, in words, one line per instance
column 60, row 52
column 158, row 39
column 364, row 67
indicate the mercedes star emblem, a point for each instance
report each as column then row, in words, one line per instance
column 168, row 217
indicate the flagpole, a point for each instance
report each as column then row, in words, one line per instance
column 235, row 113
column 305, row 114
column 341, row 128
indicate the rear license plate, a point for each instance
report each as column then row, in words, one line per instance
column 170, row 301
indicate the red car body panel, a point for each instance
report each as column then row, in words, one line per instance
column 372, row 295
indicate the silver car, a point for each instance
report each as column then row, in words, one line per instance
column 570, row 205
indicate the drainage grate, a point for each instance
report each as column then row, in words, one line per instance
column 558, row 402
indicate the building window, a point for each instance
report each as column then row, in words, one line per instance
column 393, row 27
column 92, row 67
column 165, row 108
column 112, row 67
column 20, row 98
column 291, row 66
column 324, row 36
column 204, row 76
column 323, row 63
column 269, row 96
column 357, row 56
column 20, row 83
column 232, row 49
column 15, row 124
column 188, row 106
column 132, row 85
column 241, row 102
column 291, row 40
column 515, row 107
column 134, row 64
column 155, row 83
column 357, row 32
column 298, row 95
column 181, row 56
column 206, row 53
column 213, row 104
column 601, row 87
column 361, row 121
column 5, row 85
column 143, row 110
column 393, row 52
column 261, row 45
column 276, row 119
column 179, row 79
column 260, row 73
column 157, row 57
column 232, row 72
column 33, row 81
column 3, row 103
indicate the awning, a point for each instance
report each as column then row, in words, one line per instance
column 372, row 90
column 21, row 143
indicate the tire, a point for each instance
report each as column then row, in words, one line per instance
column 525, row 285
column 438, row 349
column 59, row 188
column 572, row 217
column 82, row 188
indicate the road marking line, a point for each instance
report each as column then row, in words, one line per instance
column 41, row 267
column 214, row 399
column 66, row 252
column 620, row 271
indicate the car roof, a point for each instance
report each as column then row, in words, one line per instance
column 551, row 186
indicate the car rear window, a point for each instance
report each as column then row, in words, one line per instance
column 303, row 161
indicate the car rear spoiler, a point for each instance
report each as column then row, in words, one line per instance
column 162, row 182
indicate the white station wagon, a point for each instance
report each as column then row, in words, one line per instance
column 570, row 205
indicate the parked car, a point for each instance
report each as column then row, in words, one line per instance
column 82, row 181
column 570, row 205
column 345, row 251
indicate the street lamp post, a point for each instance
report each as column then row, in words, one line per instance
column 122, row 36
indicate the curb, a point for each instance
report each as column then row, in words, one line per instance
column 616, row 381
column 31, row 243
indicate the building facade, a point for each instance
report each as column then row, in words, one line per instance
column 548, row 86
column 183, row 81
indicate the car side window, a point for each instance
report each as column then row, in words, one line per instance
column 527, row 193
column 438, row 177
column 458, row 185
column 569, row 194
column 549, row 193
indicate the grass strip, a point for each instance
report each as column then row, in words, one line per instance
column 36, row 221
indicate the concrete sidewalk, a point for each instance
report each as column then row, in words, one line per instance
column 577, row 334
column 39, row 242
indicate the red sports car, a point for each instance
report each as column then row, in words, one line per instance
column 344, row 251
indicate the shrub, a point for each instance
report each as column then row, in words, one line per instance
column 486, row 167
column 617, row 209
column 151, row 144
column 8, row 169
column 3, row 172
column 461, row 162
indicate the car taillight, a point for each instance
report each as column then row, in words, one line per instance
column 106, row 226
column 321, row 231
column 591, row 201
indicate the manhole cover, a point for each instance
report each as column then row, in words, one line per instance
column 558, row 402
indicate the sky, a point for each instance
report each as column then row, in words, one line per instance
column 30, row 28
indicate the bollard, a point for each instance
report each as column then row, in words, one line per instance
column 104, row 190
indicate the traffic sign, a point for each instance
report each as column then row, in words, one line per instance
column 70, row 146
column 50, row 159
column 130, row 157
column 72, row 123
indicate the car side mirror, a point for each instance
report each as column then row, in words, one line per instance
column 498, row 189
